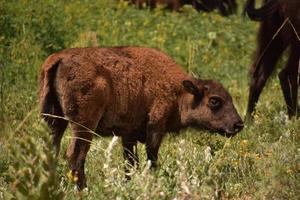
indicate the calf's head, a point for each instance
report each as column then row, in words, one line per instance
column 206, row 103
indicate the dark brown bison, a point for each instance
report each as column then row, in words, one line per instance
column 136, row 93
column 226, row 7
column 280, row 25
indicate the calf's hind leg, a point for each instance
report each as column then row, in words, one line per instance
column 86, row 110
column 82, row 134
column 289, row 80
column 57, row 125
column 130, row 154
column 77, row 150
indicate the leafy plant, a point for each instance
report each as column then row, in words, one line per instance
column 32, row 168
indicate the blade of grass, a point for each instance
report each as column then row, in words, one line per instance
column 69, row 120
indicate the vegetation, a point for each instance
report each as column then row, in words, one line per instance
column 263, row 161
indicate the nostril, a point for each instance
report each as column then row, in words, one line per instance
column 238, row 126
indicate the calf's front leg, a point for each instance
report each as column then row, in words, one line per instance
column 153, row 141
column 156, row 130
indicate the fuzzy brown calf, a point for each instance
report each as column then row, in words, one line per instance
column 226, row 7
column 272, row 16
column 136, row 93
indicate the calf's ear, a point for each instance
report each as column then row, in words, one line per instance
column 191, row 88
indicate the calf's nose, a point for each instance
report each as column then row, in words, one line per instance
column 238, row 126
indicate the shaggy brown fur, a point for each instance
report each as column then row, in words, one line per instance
column 272, row 15
column 133, row 92
column 226, row 7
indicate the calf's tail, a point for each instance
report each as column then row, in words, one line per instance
column 47, row 93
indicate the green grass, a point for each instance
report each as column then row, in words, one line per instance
column 263, row 161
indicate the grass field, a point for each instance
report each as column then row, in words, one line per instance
column 261, row 162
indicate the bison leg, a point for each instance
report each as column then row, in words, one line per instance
column 60, row 127
column 130, row 154
column 57, row 126
column 139, row 3
column 154, row 138
column 85, row 109
column 155, row 131
column 77, row 151
column 222, row 8
column 199, row 6
column 231, row 6
column 262, row 71
column 153, row 141
column 176, row 5
column 289, row 80
column 82, row 133
column 86, row 122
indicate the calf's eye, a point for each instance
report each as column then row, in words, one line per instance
column 215, row 103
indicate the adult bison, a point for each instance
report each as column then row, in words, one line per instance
column 225, row 7
column 136, row 93
column 280, row 25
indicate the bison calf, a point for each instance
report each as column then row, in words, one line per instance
column 136, row 93
column 271, row 46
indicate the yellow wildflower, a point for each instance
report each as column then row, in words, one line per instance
column 244, row 142
column 72, row 177
column 257, row 156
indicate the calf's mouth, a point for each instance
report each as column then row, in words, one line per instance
column 227, row 132
column 230, row 132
